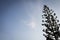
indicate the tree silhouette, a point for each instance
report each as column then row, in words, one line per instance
column 51, row 23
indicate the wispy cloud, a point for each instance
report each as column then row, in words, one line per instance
column 31, row 24
column 32, row 11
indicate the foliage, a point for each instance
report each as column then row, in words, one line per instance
column 51, row 23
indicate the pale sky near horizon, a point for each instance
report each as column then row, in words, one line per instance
column 21, row 20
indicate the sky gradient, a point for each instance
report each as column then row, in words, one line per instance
column 21, row 19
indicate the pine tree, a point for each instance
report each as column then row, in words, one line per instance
column 51, row 23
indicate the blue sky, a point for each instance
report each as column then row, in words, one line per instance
column 21, row 20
